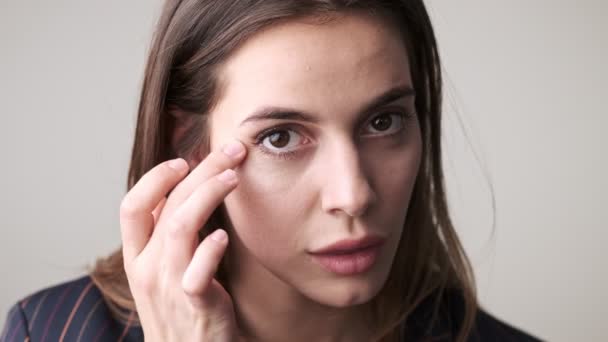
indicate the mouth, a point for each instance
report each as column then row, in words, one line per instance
column 350, row 245
column 349, row 257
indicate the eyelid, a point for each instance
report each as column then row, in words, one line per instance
column 286, row 155
column 402, row 112
column 266, row 132
column 404, row 115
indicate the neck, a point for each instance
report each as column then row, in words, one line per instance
column 268, row 309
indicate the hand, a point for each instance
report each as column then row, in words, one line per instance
column 170, row 274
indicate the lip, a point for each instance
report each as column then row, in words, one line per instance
column 348, row 264
column 349, row 246
column 349, row 257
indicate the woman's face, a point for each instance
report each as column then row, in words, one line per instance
column 342, row 168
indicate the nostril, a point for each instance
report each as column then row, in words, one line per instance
column 354, row 200
column 347, row 187
column 360, row 208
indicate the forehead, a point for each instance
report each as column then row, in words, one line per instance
column 327, row 69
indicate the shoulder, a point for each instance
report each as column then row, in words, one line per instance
column 490, row 328
column 442, row 319
column 71, row 311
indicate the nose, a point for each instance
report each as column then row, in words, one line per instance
column 347, row 188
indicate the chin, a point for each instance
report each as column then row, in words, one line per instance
column 343, row 293
column 346, row 291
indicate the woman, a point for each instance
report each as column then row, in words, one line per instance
column 285, row 185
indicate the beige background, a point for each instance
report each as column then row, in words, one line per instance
column 525, row 78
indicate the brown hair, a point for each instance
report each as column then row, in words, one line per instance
column 181, row 86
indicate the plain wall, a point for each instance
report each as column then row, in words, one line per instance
column 525, row 77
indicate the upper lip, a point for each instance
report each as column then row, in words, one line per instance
column 350, row 245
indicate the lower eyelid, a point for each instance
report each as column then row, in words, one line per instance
column 292, row 154
column 288, row 154
column 403, row 117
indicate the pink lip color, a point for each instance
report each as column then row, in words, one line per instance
column 350, row 245
column 349, row 256
column 351, row 263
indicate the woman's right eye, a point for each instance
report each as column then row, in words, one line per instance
column 280, row 142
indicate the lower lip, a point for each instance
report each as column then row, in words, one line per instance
column 348, row 264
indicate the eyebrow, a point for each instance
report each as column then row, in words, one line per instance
column 282, row 113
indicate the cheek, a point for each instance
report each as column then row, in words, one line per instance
column 398, row 176
column 395, row 172
column 266, row 207
column 262, row 174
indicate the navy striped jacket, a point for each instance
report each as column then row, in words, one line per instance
column 76, row 311
column 72, row 311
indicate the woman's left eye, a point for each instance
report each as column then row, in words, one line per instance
column 388, row 123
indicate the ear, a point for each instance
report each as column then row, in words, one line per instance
column 179, row 122
column 177, row 126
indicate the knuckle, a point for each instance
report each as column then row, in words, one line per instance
column 142, row 280
column 127, row 265
column 177, row 227
column 190, row 289
column 145, row 283
column 128, row 208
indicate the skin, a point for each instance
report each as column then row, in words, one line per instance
column 345, row 178
column 170, row 275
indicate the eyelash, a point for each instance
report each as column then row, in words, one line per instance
column 265, row 134
column 404, row 116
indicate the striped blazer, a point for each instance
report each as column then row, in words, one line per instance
column 75, row 311
column 72, row 311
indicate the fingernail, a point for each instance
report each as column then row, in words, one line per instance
column 233, row 149
column 219, row 235
column 227, row 176
column 177, row 164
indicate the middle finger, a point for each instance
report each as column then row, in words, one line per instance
column 227, row 157
column 184, row 223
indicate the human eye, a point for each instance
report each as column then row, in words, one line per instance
column 389, row 122
column 279, row 142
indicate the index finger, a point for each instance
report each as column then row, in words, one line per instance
column 226, row 157
column 137, row 207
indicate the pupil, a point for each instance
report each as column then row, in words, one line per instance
column 382, row 123
column 279, row 139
